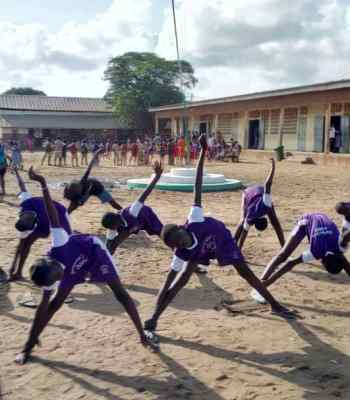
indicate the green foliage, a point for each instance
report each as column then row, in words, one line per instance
column 138, row 81
column 24, row 91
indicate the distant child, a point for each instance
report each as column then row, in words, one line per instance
column 256, row 205
column 326, row 245
column 16, row 156
column 3, row 168
column 73, row 148
column 131, row 220
column 70, row 260
column 78, row 192
column 200, row 240
column 84, row 150
column 124, row 154
column 32, row 225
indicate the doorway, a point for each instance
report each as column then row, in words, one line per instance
column 203, row 127
column 254, row 134
column 335, row 134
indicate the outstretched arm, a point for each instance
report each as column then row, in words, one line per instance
column 199, row 173
column 158, row 170
column 50, row 207
column 91, row 164
column 240, row 226
column 20, row 181
column 286, row 267
column 276, row 225
column 269, row 179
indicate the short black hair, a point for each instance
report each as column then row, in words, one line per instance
column 110, row 219
column 167, row 231
column 261, row 224
column 334, row 263
column 40, row 271
column 23, row 224
column 67, row 194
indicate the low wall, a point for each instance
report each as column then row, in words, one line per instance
column 319, row 158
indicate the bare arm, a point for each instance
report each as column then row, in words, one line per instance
column 276, row 225
column 286, row 267
column 91, row 164
column 157, row 167
column 269, row 179
column 242, row 238
column 113, row 244
column 199, row 173
column 50, row 207
column 345, row 240
column 347, row 268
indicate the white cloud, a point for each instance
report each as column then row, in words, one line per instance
column 249, row 45
column 71, row 61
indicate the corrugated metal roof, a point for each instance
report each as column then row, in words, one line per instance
column 59, row 121
column 58, row 104
column 319, row 87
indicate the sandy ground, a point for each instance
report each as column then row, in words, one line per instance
column 90, row 350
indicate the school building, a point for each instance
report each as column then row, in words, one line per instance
column 300, row 118
column 70, row 118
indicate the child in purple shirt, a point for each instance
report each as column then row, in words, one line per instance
column 32, row 225
column 70, row 259
column 200, row 240
column 133, row 219
column 256, row 205
column 326, row 245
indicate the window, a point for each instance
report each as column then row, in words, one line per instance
column 275, row 122
column 290, row 121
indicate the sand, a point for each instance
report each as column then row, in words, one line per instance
column 91, row 350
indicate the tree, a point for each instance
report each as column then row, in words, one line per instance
column 24, row 91
column 138, row 81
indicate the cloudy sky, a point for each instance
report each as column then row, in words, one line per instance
column 235, row 46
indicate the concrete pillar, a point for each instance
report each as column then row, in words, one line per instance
column 157, row 126
column 173, row 127
column 216, row 123
column 327, row 127
column 191, row 124
column 280, row 131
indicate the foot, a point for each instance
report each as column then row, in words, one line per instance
column 283, row 312
column 150, row 340
column 201, row 269
column 3, row 276
column 255, row 295
column 150, row 325
column 22, row 358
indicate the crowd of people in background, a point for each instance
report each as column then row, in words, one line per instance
column 174, row 151
column 140, row 151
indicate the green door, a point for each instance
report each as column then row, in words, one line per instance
column 302, row 127
column 319, row 134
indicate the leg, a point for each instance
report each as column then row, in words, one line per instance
column 169, row 291
column 2, row 183
column 124, row 298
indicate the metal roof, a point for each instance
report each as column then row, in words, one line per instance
column 318, row 87
column 57, row 120
column 57, row 104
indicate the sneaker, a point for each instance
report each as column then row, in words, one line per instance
column 255, row 295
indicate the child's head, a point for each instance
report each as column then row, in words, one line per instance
column 176, row 236
column 46, row 271
column 334, row 263
column 343, row 208
column 73, row 191
column 261, row 224
column 112, row 221
column 26, row 221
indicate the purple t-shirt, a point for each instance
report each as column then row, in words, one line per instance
column 37, row 204
column 211, row 240
column 136, row 218
column 81, row 254
column 323, row 236
column 256, row 203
